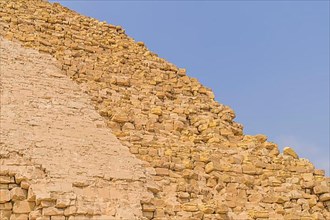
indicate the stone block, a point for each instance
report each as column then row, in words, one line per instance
column 319, row 189
column 209, row 167
column 19, row 217
column 5, row 179
column 33, row 215
column 325, row 197
column 57, row 218
column 22, row 207
column 148, row 208
column 156, row 111
column 71, row 210
column 25, row 184
column 6, row 206
column 190, row 207
column 162, row 171
column 52, row 211
column 3, row 186
column 4, row 195
column 290, row 152
column 18, row 193
column 148, row 215
column 5, row 214
column 62, row 202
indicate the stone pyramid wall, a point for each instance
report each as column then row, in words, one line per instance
column 197, row 163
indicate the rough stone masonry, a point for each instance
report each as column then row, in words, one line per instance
column 95, row 126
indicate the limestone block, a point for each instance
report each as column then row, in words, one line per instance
column 71, row 210
column 33, row 215
column 22, row 207
column 4, row 195
column 261, row 138
column 251, row 169
column 57, row 218
column 307, row 177
column 128, row 126
column 162, row 171
column 140, row 43
column 159, row 213
column 123, row 81
column 211, row 182
column 290, row 152
column 148, row 208
column 120, row 117
column 282, row 199
column 319, row 189
column 18, row 193
column 153, row 187
column 178, row 125
column 51, row 211
column 62, row 202
column 80, row 217
column 207, row 209
column 307, row 185
column 12, row 185
column 5, row 214
column 5, row 179
column 148, row 215
column 4, row 186
column 183, row 195
column 182, row 72
column 312, row 202
column 319, row 172
column 209, row 167
column 190, row 207
column 46, row 203
column 25, row 184
column 156, row 110
column 6, row 206
column 269, row 199
column 325, row 197
column 295, row 194
column 259, row 214
column 19, row 217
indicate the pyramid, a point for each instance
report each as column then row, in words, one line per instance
column 96, row 126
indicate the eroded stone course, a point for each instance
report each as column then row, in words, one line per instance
column 200, row 163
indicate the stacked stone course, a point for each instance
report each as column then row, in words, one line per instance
column 202, row 165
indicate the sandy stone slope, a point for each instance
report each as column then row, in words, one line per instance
column 48, row 122
column 203, row 166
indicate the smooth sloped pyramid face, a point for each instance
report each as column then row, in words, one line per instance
column 192, row 161
column 51, row 134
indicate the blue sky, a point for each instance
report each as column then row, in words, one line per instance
column 268, row 60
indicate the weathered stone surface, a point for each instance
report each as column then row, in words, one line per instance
column 5, row 179
column 22, row 207
column 5, row 214
column 44, row 144
column 52, row 211
column 290, row 152
column 6, row 206
column 19, row 217
column 190, row 207
column 71, row 210
column 162, row 171
column 191, row 159
column 325, row 197
column 4, row 195
column 18, row 193
column 319, row 189
column 209, row 167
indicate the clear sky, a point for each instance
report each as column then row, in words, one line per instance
column 268, row 60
